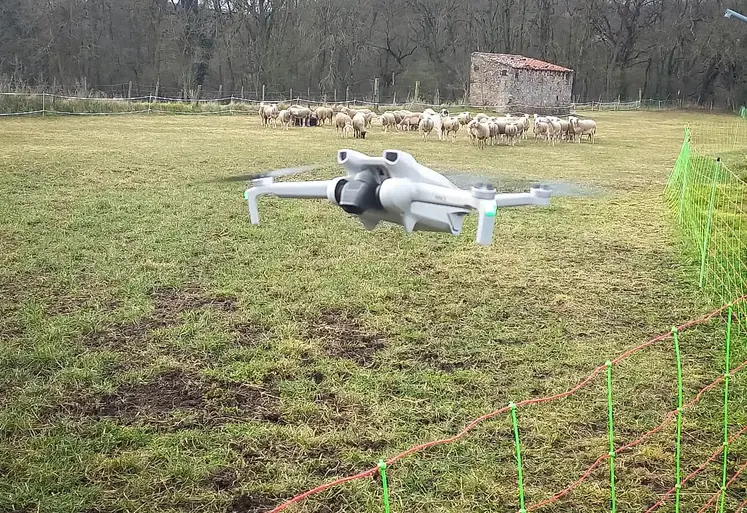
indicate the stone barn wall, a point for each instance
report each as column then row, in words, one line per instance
column 489, row 83
column 498, row 80
column 541, row 88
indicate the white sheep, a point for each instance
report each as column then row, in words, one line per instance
column 464, row 117
column 399, row 114
column 425, row 126
column 555, row 130
column 411, row 121
column 451, row 125
column 269, row 113
column 359, row 126
column 343, row 123
column 583, row 127
column 541, row 129
column 512, row 132
column 323, row 114
column 479, row 132
column 368, row 116
column 438, row 125
column 300, row 114
column 285, row 118
column 387, row 119
column 526, row 123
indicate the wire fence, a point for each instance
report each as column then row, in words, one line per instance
column 42, row 103
column 679, row 480
column 706, row 191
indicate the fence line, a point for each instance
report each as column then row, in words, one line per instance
column 22, row 103
column 511, row 408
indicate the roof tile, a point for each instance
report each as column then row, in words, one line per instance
column 521, row 62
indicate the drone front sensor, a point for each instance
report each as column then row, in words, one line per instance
column 397, row 189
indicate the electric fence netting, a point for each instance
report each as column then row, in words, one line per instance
column 706, row 193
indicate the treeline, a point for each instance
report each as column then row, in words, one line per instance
column 675, row 49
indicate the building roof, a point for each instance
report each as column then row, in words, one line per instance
column 520, row 62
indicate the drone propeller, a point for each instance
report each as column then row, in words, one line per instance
column 558, row 188
column 276, row 173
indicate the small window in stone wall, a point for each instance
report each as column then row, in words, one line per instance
column 504, row 72
column 516, row 75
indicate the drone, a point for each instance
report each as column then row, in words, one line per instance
column 395, row 188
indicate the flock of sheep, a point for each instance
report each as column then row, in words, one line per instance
column 482, row 129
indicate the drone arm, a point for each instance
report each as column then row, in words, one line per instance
column 316, row 189
column 733, row 14
column 536, row 196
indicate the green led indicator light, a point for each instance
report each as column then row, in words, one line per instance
column 490, row 213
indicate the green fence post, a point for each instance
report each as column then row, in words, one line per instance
column 707, row 234
column 515, row 422
column 727, row 353
column 678, row 439
column 613, row 504
column 384, row 486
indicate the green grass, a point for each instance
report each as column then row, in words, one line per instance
column 162, row 354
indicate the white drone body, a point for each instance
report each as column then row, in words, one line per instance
column 397, row 189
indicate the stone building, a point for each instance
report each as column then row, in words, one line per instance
column 520, row 84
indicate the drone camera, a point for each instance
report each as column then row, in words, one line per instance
column 358, row 195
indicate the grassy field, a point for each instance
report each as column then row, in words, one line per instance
column 161, row 354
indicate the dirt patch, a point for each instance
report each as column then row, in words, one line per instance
column 169, row 304
column 254, row 503
column 434, row 358
column 173, row 301
column 224, row 478
column 342, row 409
column 167, row 392
column 346, row 337
column 177, row 399
column 247, row 334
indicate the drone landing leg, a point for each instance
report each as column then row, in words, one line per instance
column 285, row 190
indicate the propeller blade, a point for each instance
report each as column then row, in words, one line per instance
column 558, row 188
column 276, row 173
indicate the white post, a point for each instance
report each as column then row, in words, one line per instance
column 43, row 106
